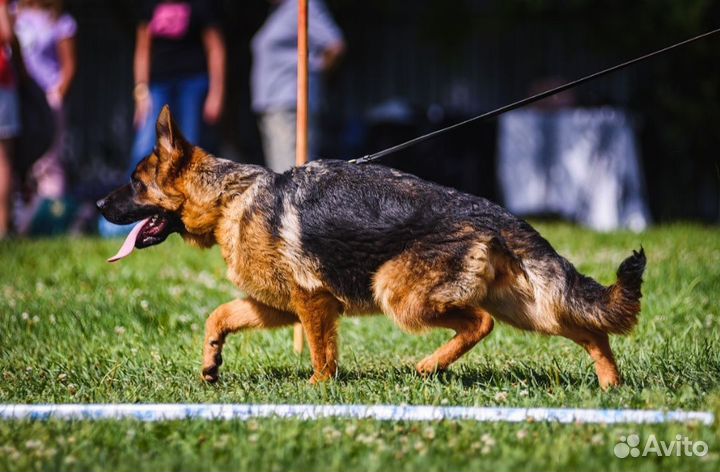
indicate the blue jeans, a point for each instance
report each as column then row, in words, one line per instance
column 186, row 97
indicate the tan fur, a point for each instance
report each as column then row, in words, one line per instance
column 305, row 272
column 598, row 346
column 258, row 269
column 527, row 302
column 470, row 326
column 318, row 312
column 230, row 318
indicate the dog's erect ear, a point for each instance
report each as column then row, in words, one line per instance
column 169, row 137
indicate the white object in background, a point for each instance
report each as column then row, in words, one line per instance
column 581, row 164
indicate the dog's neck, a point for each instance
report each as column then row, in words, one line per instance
column 215, row 183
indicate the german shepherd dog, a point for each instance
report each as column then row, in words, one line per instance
column 331, row 238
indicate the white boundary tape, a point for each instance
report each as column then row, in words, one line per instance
column 176, row 411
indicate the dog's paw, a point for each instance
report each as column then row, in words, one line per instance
column 320, row 377
column 428, row 366
column 210, row 372
column 610, row 383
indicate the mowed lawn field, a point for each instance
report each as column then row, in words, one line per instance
column 74, row 329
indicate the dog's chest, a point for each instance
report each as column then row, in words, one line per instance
column 255, row 265
column 259, row 279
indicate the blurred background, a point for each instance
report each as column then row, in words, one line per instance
column 411, row 66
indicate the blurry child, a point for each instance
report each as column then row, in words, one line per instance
column 47, row 41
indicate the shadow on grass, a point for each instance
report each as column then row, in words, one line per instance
column 467, row 377
column 521, row 377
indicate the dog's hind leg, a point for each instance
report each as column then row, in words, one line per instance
column 470, row 327
column 441, row 287
column 598, row 346
column 231, row 317
column 319, row 313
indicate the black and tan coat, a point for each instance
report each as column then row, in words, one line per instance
column 332, row 238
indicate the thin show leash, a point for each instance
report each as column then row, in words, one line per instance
column 526, row 101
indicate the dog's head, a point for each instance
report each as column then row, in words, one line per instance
column 156, row 194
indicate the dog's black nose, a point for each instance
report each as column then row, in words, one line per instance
column 100, row 204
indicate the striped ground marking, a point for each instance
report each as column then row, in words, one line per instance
column 179, row 411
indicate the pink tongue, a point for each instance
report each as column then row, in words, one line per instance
column 129, row 243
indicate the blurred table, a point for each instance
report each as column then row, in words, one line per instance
column 581, row 164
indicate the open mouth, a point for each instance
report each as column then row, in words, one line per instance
column 148, row 232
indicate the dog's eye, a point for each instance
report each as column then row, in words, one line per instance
column 138, row 186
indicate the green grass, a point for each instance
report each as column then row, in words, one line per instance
column 75, row 329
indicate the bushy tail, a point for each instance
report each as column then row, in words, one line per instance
column 613, row 309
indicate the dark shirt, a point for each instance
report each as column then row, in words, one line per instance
column 176, row 29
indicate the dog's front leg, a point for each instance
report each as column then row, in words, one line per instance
column 318, row 313
column 231, row 317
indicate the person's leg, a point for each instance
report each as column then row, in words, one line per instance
column 48, row 172
column 191, row 93
column 5, row 186
column 145, row 135
column 314, row 136
column 278, row 138
column 9, row 128
column 47, row 175
column 316, row 98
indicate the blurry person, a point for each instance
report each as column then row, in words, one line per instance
column 47, row 41
column 9, row 118
column 179, row 61
column 274, row 76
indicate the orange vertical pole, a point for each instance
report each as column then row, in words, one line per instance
column 301, row 150
column 301, row 137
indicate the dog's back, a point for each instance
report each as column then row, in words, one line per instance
column 375, row 237
column 355, row 219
